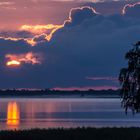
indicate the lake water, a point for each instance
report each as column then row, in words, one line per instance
column 26, row 113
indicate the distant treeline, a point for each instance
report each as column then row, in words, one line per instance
column 73, row 134
column 54, row 93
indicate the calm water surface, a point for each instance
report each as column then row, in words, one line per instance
column 29, row 113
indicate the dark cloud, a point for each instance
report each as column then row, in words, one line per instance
column 91, row 45
column 78, row 15
column 16, row 34
column 132, row 10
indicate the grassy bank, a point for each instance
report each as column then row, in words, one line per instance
column 73, row 134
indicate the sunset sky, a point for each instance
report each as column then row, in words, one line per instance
column 65, row 44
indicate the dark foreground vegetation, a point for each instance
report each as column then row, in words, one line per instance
column 73, row 134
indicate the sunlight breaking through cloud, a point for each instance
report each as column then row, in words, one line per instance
column 42, row 33
column 17, row 59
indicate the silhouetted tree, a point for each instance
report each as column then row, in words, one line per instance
column 129, row 78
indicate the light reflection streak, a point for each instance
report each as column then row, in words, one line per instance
column 13, row 114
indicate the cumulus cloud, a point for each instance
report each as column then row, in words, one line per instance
column 88, row 45
column 131, row 10
column 78, row 15
column 34, row 34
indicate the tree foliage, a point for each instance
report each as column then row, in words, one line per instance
column 129, row 78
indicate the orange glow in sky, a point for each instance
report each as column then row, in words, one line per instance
column 13, row 63
column 17, row 59
column 48, row 29
column 13, row 114
column 39, row 29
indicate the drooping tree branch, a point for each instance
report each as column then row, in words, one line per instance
column 129, row 78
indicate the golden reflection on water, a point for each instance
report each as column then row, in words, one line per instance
column 13, row 114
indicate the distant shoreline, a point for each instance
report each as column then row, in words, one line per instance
column 59, row 94
column 54, row 97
